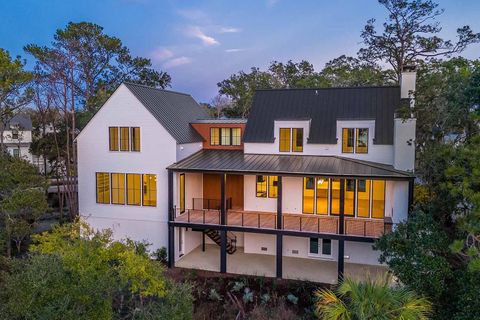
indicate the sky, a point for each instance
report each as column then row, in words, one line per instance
column 200, row 43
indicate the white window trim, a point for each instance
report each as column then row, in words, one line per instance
column 320, row 256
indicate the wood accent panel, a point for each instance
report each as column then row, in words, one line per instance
column 211, row 186
column 235, row 190
column 204, row 130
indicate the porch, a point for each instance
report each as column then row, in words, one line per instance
column 315, row 270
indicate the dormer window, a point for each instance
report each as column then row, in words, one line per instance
column 355, row 140
column 291, row 139
column 225, row 136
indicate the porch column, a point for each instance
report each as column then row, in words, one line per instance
column 171, row 217
column 223, row 220
column 410, row 194
column 279, row 256
column 341, row 230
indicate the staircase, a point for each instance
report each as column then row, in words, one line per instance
column 216, row 237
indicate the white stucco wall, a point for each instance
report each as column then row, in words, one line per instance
column 158, row 150
column 376, row 153
column 186, row 149
column 404, row 142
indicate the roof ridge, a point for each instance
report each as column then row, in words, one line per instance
column 153, row 88
column 328, row 88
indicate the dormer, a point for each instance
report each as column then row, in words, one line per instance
column 221, row 133
column 291, row 135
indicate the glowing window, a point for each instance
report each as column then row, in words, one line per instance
column 322, row 195
column 182, row 193
column 261, row 186
column 113, row 138
column 272, row 186
column 134, row 189
column 362, row 140
column 378, row 199
column 236, row 136
column 214, row 136
column 284, row 139
column 103, row 187
column 150, row 190
column 124, row 139
column 297, row 139
column 118, row 188
column 363, row 201
column 308, row 195
column 348, row 140
column 225, row 136
column 135, row 132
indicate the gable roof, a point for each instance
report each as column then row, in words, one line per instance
column 19, row 121
column 173, row 110
column 324, row 107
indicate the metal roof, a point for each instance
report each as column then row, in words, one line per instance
column 173, row 110
column 235, row 161
column 324, row 107
column 20, row 122
column 226, row 120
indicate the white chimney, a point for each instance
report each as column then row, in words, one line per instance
column 404, row 129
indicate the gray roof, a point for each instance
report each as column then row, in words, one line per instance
column 236, row 161
column 20, row 122
column 173, row 110
column 223, row 120
column 324, row 107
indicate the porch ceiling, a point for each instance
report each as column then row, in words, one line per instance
column 235, row 161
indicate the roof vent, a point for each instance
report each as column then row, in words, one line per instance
column 316, row 92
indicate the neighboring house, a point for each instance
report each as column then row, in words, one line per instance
column 301, row 190
column 17, row 136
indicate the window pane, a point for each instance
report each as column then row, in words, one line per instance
column 335, row 196
column 326, row 247
column 135, row 139
column 362, row 141
column 113, row 138
column 118, row 188
column 314, row 245
column 236, row 136
column 363, row 201
column 182, row 193
column 349, row 208
column 347, row 140
column 378, row 201
column 150, row 190
column 308, row 194
column 133, row 189
column 285, row 139
column 225, row 136
column 322, row 195
column 124, row 135
column 272, row 186
column 214, row 136
column 261, row 186
column 103, row 187
column 297, row 139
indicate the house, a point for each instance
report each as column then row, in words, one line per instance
column 301, row 190
column 17, row 136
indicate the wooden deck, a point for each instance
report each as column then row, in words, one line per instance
column 294, row 222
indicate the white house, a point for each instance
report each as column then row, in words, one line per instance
column 17, row 136
column 301, row 190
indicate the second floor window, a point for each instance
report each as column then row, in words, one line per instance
column 225, row 136
column 135, row 132
column 266, row 186
column 291, row 140
column 355, row 140
column 15, row 134
column 124, row 138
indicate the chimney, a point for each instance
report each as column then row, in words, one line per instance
column 404, row 129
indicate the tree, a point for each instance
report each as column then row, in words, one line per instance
column 371, row 299
column 218, row 105
column 13, row 83
column 410, row 33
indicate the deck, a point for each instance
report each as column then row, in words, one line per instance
column 373, row 228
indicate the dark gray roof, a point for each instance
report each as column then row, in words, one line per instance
column 19, row 121
column 173, row 110
column 324, row 107
column 236, row 161
column 226, row 120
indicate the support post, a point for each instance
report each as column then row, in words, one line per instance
column 410, row 194
column 341, row 231
column 171, row 217
column 279, row 253
column 203, row 240
column 223, row 220
column 223, row 251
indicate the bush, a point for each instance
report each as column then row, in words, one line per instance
column 161, row 255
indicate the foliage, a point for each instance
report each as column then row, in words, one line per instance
column 371, row 299
column 161, row 254
column 410, row 32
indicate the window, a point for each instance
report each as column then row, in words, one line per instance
column 16, row 153
column 284, row 139
column 118, row 188
column 347, row 140
column 113, row 138
column 349, row 207
column 362, row 141
column 134, row 189
column 135, row 132
column 103, row 187
column 225, row 136
column 124, row 139
column 322, row 196
column 15, row 134
column 308, row 195
column 378, row 199
column 182, row 193
column 261, row 186
column 363, row 202
column 150, row 190
column 272, row 186
column 335, row 197
column 322, row 247
column 297, row 139
column 236, row 136
column 214, row 136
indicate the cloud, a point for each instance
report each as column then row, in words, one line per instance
column 234, row 50
column 229, row 30
column 197, row 33
column 161, row 54
column 175, row 62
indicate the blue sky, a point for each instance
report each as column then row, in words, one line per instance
column 203, row 42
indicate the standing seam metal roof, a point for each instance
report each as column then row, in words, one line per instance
column 324, row 107
column 175, row 111
column 236, row 161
